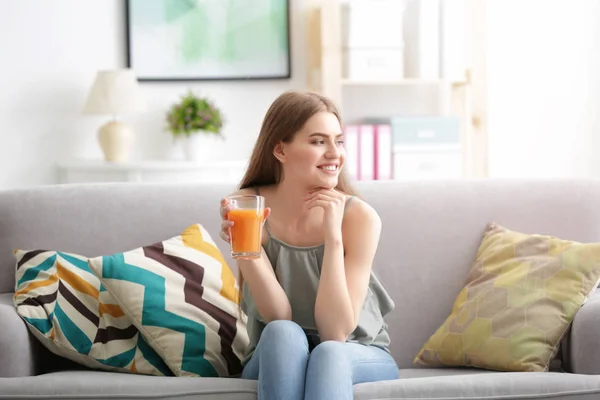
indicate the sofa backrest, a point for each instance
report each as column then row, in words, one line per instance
column 431, row 230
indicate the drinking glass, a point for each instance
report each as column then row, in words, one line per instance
column 247, row 214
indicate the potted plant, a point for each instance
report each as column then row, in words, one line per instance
column 195, row 122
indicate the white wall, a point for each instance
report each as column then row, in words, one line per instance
column 50, row 52
column 544, row 88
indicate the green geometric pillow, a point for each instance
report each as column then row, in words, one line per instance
column 68, row 310
column 517, row 303
column 183, row 297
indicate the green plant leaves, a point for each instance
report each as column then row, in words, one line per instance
column 192, row 114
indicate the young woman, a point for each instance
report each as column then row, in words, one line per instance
column 315, row 310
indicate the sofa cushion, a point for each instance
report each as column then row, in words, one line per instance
column 442, row 384
column 184, row 298
column 68, row 310
column 518, row 301
column 460, row 385
column 98, row 385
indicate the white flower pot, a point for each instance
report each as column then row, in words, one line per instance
column 200, row 146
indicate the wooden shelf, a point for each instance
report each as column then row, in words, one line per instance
column 460, row 95
column 404, row 82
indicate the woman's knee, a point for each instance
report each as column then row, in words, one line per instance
column 330, row 351
column 285, row 332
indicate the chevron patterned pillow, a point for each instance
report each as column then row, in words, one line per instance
column 183, row 297
column 68, row 310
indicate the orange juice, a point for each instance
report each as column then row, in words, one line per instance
column 246, row 232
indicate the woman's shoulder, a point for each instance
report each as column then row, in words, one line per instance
column 359, row 211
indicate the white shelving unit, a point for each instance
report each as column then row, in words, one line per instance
column 452, row 97
column 403, row 82
column 88, row 171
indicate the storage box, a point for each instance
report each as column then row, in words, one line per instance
column 373, row 64
column 428, row 165
column 423, row 131
column 373, row 23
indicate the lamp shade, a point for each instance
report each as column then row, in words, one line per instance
column 115, row 92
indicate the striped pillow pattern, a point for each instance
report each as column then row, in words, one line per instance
column 183, row 297
column 68, row 310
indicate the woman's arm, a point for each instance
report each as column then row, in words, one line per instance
column 268, row 295
column 347, row 262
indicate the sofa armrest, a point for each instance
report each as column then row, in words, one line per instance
column 583, row 348
column 17, row 346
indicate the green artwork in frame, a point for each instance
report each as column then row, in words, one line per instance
column 208, row 39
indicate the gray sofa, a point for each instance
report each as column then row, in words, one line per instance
column 430, row 235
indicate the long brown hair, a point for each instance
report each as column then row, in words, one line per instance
column 284, row 118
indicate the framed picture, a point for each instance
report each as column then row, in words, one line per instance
column 189, row 40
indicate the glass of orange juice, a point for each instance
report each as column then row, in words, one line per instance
column 247, row 214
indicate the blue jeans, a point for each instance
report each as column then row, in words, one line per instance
column 286, row 369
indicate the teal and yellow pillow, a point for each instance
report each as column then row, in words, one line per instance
column 65, row 306
column 183, row 297
column 519, row 298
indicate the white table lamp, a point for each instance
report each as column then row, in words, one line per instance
column 115, row 92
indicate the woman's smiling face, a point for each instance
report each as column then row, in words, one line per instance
column 315, row 155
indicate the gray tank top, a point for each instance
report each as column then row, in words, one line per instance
column 298, row 270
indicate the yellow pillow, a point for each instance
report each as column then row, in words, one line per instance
column 519, row 298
